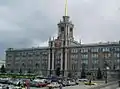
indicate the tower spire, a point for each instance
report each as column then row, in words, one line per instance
column 66, row 7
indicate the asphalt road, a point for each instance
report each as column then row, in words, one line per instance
column 69, row 87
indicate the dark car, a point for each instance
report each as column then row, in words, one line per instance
column 37, row 84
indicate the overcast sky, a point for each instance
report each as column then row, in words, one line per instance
column 27, row 23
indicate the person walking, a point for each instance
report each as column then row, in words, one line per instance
column 27, row 84
column 60, row 85
column 7, row 87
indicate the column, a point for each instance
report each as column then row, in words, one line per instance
column 61, row 62
column 65, row 74
column 66, row 53
column 89, row 60
column 79, row 62
column 49, row 63
column 53, row 60
column 112, row 61
column 101, row 59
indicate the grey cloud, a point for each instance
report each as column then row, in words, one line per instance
column 24, row 23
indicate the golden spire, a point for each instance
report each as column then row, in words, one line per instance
column 66, row 7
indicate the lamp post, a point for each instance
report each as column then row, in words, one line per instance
column 106, row 79
column 106, row 69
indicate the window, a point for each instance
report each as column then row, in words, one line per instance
column 117, row 61
column 84, row 61
column 9, row 56
column 58, row 61
column 62, row 29
column 84, row 50
column 75, row 50
column 106, row 49
column 36, row 65
column 117, row 49
column 95, row 61
column 116, row 55
column 71, row 29
column 74, row 56
column 94, row 50
column 17, row 58
column 106, row 55
column 8, row 65
column 85, row 65
column 73, row 66
column 94, row 55
column 84, row 56
column 17, row 54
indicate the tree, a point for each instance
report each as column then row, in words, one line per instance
column 36, row 65
column 99, row 74
column 29, row 71
column 58, row 71
column 3, row 69
column 20, row 71
column 69, row 75
column 11, row 71
column 83, row 74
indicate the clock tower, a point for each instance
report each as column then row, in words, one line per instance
column 60, row 46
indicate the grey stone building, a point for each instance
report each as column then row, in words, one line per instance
column 65, row 53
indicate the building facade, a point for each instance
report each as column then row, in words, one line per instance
column 64, row 53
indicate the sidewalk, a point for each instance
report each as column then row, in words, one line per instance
column 106, row 86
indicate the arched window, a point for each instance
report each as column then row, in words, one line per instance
column 71, row 29
column 62, row 29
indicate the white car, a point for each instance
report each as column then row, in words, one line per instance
column 17, row 87
column 53, row 84
column 39, row 80
column 1, row 87
column 71, row 83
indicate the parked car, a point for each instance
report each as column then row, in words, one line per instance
column 82, row 80
column 92, row 83
column 33, row 84
column 64, row 83
column 42, row 84
column 53, row 85
column 37, row 84
column 71, row 82
column 4, row 80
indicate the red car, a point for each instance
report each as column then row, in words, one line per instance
column 41, row 84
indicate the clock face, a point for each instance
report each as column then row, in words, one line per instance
column 57, row 43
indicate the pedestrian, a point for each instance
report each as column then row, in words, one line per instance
column 19, row 84
column 23, row 86
column 90, row 82
column 61, row 86
column 50, row 87
column 27, row 84
column 7, row 87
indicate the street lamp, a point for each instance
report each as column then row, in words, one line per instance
column 107, row 68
